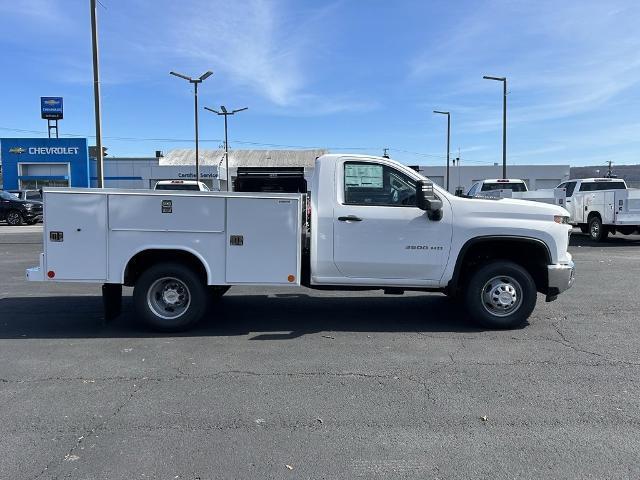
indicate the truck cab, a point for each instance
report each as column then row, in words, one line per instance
column 181, row 185
column 492, row 187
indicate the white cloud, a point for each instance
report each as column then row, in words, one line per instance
column 259, row 45
column 561, row 58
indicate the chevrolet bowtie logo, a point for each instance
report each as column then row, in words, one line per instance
column 17, row 150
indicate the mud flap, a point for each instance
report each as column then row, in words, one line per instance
column 111, row 301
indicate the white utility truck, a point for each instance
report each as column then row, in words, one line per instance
column 515, row 188
column 374, row 224
column 600, row 206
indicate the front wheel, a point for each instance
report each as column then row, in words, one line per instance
column 170, row 297
column 597, row 231
column 501, row 294
column 14, row 218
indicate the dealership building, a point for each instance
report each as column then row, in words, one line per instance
column 40, row 162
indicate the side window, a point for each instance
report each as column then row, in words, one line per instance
column 609, row 186
column 571, row 186
column 588, row 187
column 375, row 184
column 33, row 196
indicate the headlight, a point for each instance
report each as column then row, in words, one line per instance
column 562, row 219
column 28, row 205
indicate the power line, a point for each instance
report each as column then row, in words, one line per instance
column 243, row 142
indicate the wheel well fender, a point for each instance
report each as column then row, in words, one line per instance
column 531, row 253
column 146, row 257
column 593, row 214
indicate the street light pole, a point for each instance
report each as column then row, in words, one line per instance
column 96, row 96
column 225, row 113
column 448, row 114
column 195, row 111
column 195, row 82
column 504, row 121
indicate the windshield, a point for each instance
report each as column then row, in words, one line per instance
column 513, row 186
column 7, row 196
column 177, row 186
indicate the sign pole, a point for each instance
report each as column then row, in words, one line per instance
column 96, row 95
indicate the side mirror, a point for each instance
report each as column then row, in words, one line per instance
column 426, row 200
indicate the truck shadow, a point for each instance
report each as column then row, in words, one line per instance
column 618, row 240
column 262, row 317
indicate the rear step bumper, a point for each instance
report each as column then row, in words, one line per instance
column 36, row 274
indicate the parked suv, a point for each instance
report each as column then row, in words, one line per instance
column 27, row 194
column 16, row 211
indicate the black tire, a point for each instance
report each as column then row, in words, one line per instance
column 584, row 228
column 182, row 286
column 14, row 218
column 217, row 291
column 483, row 292
column 597, row 231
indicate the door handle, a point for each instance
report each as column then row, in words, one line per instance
column 350, row 218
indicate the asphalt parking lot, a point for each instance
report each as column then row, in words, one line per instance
column 293, row 383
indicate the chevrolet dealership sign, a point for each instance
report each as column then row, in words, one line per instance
column 19, row 155
column 53, row 150
column 51, row 108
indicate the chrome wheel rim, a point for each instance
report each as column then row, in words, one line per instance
column 595, row 229
column 13, row 218
column 169, row 298
column 501, row 296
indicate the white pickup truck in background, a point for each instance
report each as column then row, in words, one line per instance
column 375, row 224
column 515, row 188
column 600, row 206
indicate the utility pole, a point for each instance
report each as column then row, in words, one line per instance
column 504, row 121
column 609, row 171
column 224, row 112
column 195, row 82
column 96, row 96
column 448, row 114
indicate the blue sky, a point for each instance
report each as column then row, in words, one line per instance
column 352, row 76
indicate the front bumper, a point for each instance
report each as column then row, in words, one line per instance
column 32, row 215
column 560, row 278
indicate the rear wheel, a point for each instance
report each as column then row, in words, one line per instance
column 14, row 218
column 170, row 297
column 597, row 231
column 500, row 294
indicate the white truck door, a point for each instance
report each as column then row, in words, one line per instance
column 76, row 235
column 379, row 233
column 573, row 202
column 263, row 240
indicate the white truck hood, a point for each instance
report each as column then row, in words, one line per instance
column 511, row 208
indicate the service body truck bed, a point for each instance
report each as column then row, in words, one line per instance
column 91, row 234
column 374, row 224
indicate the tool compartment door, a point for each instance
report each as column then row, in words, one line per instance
column 263, row 241
column 76, row 235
